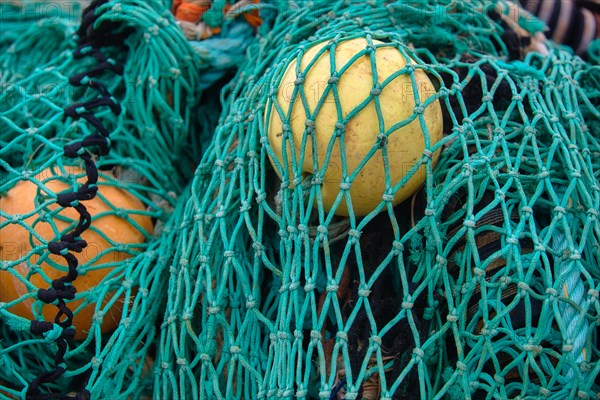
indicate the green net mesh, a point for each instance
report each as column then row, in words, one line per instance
column 483, row 285
column 399, row 200
column 155, row 144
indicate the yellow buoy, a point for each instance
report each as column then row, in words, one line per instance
column 405, row 145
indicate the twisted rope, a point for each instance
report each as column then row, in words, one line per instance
column 62, row 289
column 573, row 291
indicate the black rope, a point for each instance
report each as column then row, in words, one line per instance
column 91, row 39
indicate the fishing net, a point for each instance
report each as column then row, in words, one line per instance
column 391, row 200
column 481, row 284
column 101, row 128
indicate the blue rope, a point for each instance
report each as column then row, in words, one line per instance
column 573, row 290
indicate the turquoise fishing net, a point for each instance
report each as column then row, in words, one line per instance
column 483, row 284
column 155, row 145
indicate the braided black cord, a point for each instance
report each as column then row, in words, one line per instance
column 90, row 40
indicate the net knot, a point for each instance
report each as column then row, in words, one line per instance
column 96, row 362
column 342, row 336
column 570, row 115
column 98, row 317
column 470, row 222
column 397, row 246
column 202, row 259
column 559, row 210
column 524, row 286
column 375, row 341
column 339, row 128
column 419, row 354
column 333, row 79
column 214, row 309
column 466, row 170
column 261, row 197
column 530, row 131
column 310, row 286
column 284, row 287
column 441, row 261
column 383, row 140
column 332, row 286
column 364, row 291
column 315, row 335
column 345, row 185
column 527, row 211
column 499, row 132
column 539, row 247
column 512, row 240
column 553, row 293
column 354, row 233
column 250, row 302
column 376, row 90
column 387, row 197
column 452, row 318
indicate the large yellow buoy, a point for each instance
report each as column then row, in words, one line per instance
column 405, row 145
column 105, row 234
